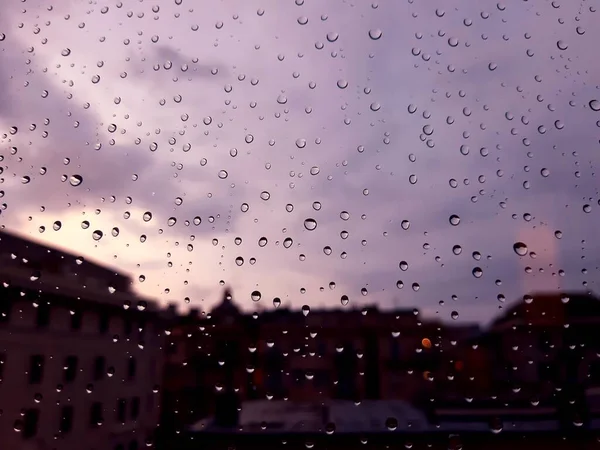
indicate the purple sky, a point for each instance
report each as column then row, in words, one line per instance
column 296, row 99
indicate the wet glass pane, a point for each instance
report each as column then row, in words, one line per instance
column 299, row 224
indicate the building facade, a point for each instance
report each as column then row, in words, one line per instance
column 221, row 359
column 81, row 355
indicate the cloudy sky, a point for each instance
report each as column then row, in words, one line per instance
column 191, row 130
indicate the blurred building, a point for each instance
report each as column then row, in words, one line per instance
column 216, row 361
column 540, row 357
column 80, row 354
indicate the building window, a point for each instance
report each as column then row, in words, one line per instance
column 70, row 369
column 131, row 368
column 76, row 320
column 128, row 327
column 135, row 408
column 42, row 318
column 103, row 323
column 96, row 415
column 36, row 369
column 66, row 419
column 30, row 422
column 395, row 349
column 149, row 402
column 5, row 309
column 121, row 408
column 99, row 368
column 2, row 365
column 321, row 347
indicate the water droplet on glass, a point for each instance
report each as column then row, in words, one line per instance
column 57, row 225
column 454, row 220
column 477, row 272
column 344, row 300
column 375, row 34
column 147, row 217
column 520, row 248
column 255, row 296
column 97, row 235
column 305, row 310
column 75, row 180
column 310, row 224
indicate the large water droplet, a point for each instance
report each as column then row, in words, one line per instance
column 75, row 180
column 310, row 224
column 454, row 220
column 375, row 34
column 255, row 296
column 520, row 248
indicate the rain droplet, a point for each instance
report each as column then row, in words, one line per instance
column 97, row 235
column 454, row 220
column 305, row 310
column 276, row 302
column 147, row 217
column 287, row 242
column 594, row 105
column 265, row 195
column 310, row 224
column 520, row 248
column 75, row 180
column 57, row 225
column 344, row 300
column 375, row 34
column 477, row 272
column 222, row 174
column 255, row 296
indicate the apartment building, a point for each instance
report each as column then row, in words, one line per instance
column 80, row 354
column 217, row 360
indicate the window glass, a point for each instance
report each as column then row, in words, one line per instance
column 340, row 223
